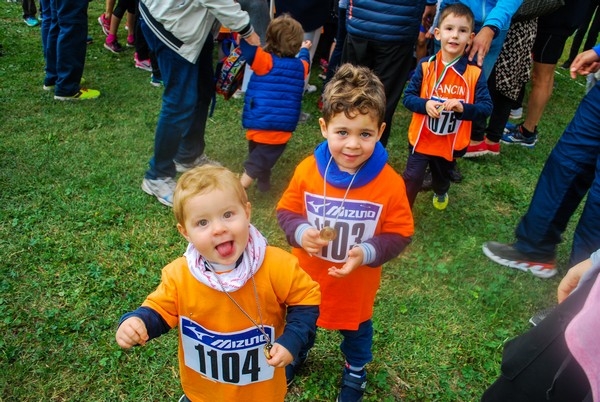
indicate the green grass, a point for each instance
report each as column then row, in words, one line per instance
column 80, row 243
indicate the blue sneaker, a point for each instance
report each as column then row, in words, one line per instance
column 516, row 137
column 353, row 386
column 510, row 127
column 31, row 21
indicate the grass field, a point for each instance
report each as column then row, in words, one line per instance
column 80, row 243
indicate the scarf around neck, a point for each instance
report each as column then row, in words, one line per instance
column 251, row 261
column 337, row 178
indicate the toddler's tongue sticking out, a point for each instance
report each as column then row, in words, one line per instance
column 225, row 249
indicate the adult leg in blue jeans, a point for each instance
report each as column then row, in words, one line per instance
column 572, row 169
column 65, row 49
column 186, row 98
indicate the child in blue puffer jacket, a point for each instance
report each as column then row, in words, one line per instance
column 274, row 96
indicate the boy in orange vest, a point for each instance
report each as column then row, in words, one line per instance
column 445, row 94
column 345, row 213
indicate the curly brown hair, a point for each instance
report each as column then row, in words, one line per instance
column 354, row 89
column 284, row 36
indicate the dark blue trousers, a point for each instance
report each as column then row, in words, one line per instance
column 189, row 88
column 571, row 171
column 65, row 45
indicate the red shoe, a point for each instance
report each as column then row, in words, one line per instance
column 476, row 150
column 493, row 149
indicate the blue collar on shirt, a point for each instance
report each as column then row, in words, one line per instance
column 335, row 177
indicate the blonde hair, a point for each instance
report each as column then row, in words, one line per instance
column 284, row 36
column 352, row 90
column 202, row 180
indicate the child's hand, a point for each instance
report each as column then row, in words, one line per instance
column 306, row 44
column 132, row 332
column 434, row 108
column 355, row 260
column 455, row 105
column 311, row 242
column 280, row 356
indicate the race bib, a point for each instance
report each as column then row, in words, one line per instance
column 231, row 358
column 355, row 221
column 446, row 124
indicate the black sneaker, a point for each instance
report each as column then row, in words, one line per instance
column 353, row 386
column 455, row 175
column 427, row 181
column 294, row 367
column 507, row 255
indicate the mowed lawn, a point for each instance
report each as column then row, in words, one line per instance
column 81, row 244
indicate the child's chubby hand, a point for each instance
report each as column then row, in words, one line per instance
column 455, row 105
column 280, row 356
column 311, row 242
column 355, row 260
column 132, row 332
column 434, row 108
column 306, row 44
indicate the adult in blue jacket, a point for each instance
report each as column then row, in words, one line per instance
column 381, row 36
column 492, row 20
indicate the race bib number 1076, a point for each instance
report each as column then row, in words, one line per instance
column 233, row 358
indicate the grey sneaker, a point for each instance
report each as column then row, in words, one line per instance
column 304, row 117
column 162, row 188
column 199, row 161
column 509, row 256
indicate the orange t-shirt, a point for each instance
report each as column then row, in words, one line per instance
column 378, row 207
column 220, row 351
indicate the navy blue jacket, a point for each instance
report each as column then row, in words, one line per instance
column 390, row 21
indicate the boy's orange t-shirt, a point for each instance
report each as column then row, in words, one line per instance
column 347, row 302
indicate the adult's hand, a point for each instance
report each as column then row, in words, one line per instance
column 585, row 63
column 571, row 279
column 428, row 16
column 253, row 39
column 481, row 45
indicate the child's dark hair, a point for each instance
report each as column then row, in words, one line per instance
column 284, row 36
column 354, row 89
column 459, row 10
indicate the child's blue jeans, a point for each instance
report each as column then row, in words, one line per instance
column 356, row 345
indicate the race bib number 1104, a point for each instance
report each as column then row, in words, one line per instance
column 232, row 358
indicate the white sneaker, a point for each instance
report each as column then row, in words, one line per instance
column 239, row 94
column 162, row 188
column 310, row 89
